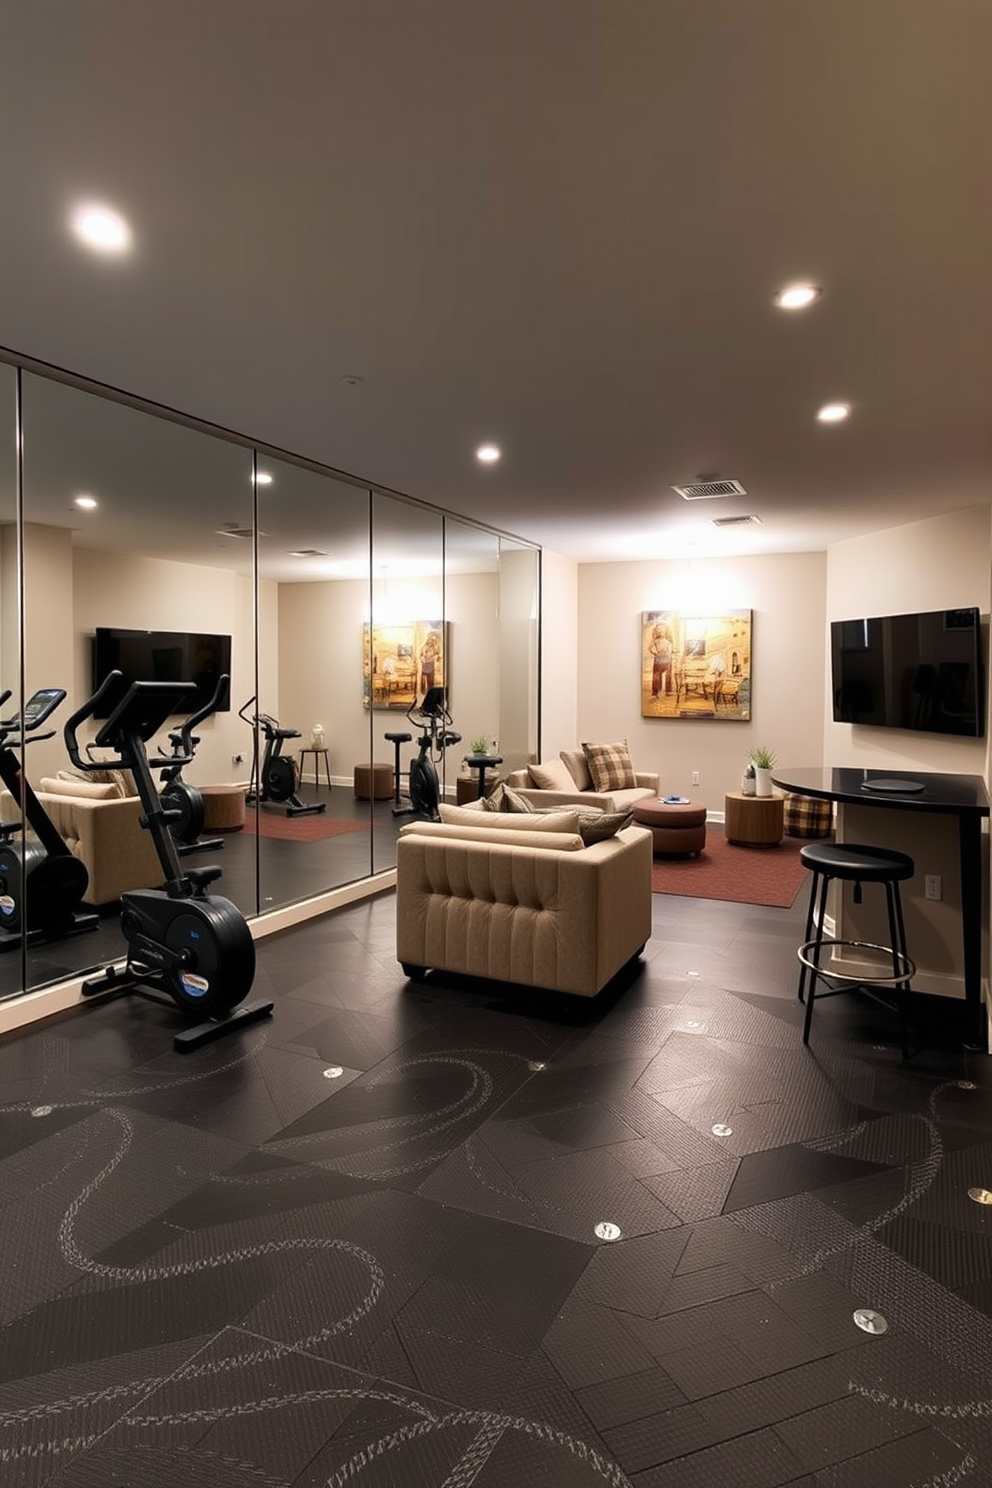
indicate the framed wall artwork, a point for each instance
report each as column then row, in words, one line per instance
column 696, row 666
column 400, row 662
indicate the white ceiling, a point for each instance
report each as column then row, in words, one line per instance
column 556, row 224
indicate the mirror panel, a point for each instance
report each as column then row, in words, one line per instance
column 166, row 548
column 471, row 598
column 519, row 652
column 313, row 557
column 11, row 944
column 403, row 654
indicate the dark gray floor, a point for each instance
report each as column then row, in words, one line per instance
column 356, row 1244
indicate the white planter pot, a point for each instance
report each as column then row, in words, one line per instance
column 762, row 782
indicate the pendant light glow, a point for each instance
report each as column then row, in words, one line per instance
column 488, row 454
column 834, row 413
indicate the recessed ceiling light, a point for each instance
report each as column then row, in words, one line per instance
column 797, row 296
column 488, row 454
column 834, row 413
column 101, row 228
column 263, row 478
column 85, row 503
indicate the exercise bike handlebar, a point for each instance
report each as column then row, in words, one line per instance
column 183, row 736
column 88, row 710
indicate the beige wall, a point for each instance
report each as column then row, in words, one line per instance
column 786, row 595
column 559, row 653
column 940, row 564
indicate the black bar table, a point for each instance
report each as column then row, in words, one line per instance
column 962, row 796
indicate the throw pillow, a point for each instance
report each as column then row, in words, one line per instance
column 552, row 775
column 600, row 826
column 504, row 798
column 121, row 780
column 578, row 767
column 552, row 821
column 81, row 789
column 610, row 766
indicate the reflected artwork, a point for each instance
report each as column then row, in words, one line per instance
column 696, row 666
column 400, row 662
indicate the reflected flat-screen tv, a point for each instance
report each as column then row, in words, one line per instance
column 923, row 671
column 161, row 656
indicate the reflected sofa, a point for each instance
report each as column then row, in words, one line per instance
column 100, row 826
column 520, row 903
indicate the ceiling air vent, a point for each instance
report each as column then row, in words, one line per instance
column 741, row 521
column 706, row 490
column 307, row 553
column 232, row 530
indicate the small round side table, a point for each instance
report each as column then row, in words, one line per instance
column 753, row 821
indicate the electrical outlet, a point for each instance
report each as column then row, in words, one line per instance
column 695, row 777
column 932, row 886
column 237, row 759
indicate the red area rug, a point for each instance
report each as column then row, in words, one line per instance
column 769, row 876
column 299, row 828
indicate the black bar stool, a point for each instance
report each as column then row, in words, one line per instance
column 852, row 862
column 396, row 740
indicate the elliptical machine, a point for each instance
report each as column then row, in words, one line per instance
column 194, row 946
column 181, row 799
column 276, row 779
column 432, row 718
column 41, row 883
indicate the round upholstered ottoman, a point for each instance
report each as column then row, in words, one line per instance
column 678, row 830
column 223, row 807
column 373, row 782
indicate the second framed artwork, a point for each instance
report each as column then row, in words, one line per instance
column 696, row 666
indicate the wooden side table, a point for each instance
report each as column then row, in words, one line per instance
column 317, row 753
column 754, row 821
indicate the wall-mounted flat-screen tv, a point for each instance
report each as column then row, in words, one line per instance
column 161, row 656
column 923, row 671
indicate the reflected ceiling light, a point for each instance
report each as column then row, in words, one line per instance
column 85, row 503
column 101, row 228
column 263, row 478
column 797, row 296
column 488, row 454
column 834, row 413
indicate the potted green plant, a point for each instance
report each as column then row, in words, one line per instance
column 763, row 760
column 479, row 745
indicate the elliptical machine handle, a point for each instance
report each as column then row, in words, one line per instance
column 88, row 709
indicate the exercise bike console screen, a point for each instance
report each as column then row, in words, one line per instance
column 433, row 701
column 38, row 707
column 36, row 710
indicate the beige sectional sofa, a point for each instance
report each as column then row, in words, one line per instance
column 521, row 903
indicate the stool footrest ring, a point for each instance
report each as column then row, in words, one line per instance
column 894, row 978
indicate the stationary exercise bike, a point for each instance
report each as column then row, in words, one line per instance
column 181, row 940
column 432, row 718
column 276, row 779
column 182, row 800
column 41, row 883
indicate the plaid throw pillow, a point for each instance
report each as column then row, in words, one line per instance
column 807, row 816
column 610, row 766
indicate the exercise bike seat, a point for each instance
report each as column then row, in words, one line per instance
column 200, row 878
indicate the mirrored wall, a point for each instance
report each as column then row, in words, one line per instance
column 136, row 542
